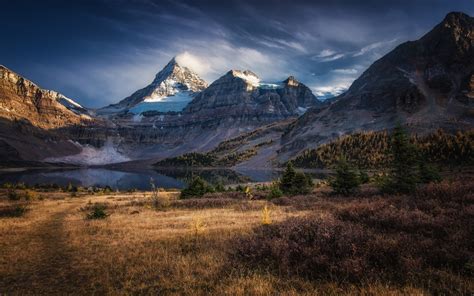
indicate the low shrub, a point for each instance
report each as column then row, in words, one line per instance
column 204, row 203
column 13, row 195
column 275, row 192
column 30, row 195
column 197, row 188
column 12, row 211
column 309, row 247
column 400, row 239
column 97, row 211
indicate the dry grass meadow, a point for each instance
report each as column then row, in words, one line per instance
column 208, row 246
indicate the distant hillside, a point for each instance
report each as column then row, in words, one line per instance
column 370, row 150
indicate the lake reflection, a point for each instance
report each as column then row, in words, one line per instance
column 138, row 179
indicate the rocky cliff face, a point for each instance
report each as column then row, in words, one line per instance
column 425, row 84
column 172, row 88
column 21, row 99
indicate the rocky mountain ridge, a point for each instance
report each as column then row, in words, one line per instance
column 424, row 84
column 21, row 99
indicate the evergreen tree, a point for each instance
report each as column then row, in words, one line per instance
column 293, row 182
column 403, row 173
column 428, row 173
column 346, row 180
column 198, row 187
column 286, row 181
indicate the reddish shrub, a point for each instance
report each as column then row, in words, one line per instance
column 383, row 238
column 204, row 203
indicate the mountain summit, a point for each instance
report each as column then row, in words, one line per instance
column 242, row 93
column 173, row 87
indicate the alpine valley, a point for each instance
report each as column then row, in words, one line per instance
column 238, row 120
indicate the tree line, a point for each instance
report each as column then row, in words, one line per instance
column 370, row 150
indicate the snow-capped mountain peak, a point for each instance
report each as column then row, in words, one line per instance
column 173, row 87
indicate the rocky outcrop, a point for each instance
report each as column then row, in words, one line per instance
column 426, row 84
column 21, row 99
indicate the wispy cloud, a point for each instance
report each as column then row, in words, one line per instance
column 373, row 46
column 329, row 58
column 324, row 92
column 326, row 53
column 345, row 71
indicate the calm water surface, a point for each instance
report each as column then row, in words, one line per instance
column 138, row 179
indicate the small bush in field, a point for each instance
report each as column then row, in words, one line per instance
column 275, row 192
column 71, row 188
column 97, row 211
column 13, row 195
column 197, row 188
column 30, row 195
column 20, row 185
column 158, row 201
column 266, row 217
column 13, row 211
column 248, row 192
column 347, row 180
column 220, row 187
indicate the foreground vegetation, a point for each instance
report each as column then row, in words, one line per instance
column 240, row 242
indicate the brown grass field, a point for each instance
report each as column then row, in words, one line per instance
column 218, row 245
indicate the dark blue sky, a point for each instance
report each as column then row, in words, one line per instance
column 98, row 52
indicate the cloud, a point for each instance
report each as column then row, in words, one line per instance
column 213, row 59
column 325, row 92
column 330, row 58
column 326, row 53
column 194, row 63
column 373, row 46
column 345, row 71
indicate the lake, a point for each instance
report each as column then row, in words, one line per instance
column 138, row 179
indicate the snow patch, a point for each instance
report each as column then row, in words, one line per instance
column 93, row 156
column 137, row 118
column 248, row 77
column 175, row 103
column 265, row 85
column 301, row 110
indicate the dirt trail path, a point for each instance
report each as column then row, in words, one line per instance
column 52, row 270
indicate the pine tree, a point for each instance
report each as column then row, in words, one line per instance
column 293, row 182
column 403, row 173
column 198, row 187
column 286, row 181
column 346, row 180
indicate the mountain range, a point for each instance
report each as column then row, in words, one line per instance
column 425, row 84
